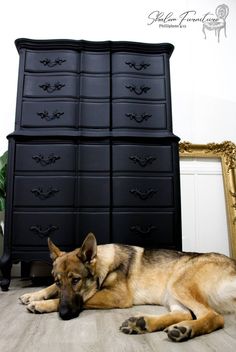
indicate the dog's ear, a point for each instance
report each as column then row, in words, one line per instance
column 54, row 250
column 88, row 250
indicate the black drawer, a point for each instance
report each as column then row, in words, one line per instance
column 94, row 86
column 93, row 191
column 95, row 62
column 151, row 229
column 142, row 158
column 138, row 88
column 33, row 228
column 93, row 157
column 49, row 114
column 51, row 86
column 44, row 191
column 52, row 61
column 139, row 115
column 138, row 63
column 94, row 114
column 146, row 192
column 45, row 157
column 95, row 222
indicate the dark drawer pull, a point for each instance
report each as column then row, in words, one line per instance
column 49, row 117
column 143, row 195
column 44, row 161
column 141, row 230
column 49, row 88
column 42, row 233
column 138, row 118
column 138, row 90
column 52, row 63
column 39, row 193
column 137, row 67
column 142, row 161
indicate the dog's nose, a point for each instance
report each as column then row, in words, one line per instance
column 67, row 313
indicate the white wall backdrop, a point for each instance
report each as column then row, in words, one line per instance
column 203, row 80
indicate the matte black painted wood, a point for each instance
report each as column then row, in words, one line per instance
column 93, row 149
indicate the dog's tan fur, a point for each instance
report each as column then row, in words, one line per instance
column 196, row 288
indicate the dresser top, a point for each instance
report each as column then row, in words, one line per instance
column 53, row 44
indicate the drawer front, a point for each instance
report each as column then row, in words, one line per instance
column 95, row 222
column 45, row 157
column 51, row 86
column 95, row 62
column 52, row 61
column 138, row 64
column 44, row 191
column 142, row 158
column 33, row 228
column 49, row 114
column 138, row 115
column 93, row 191
column 94, row 114
column 94, row 86
column 94, row 157
column 138, row 88
column 143, row 192
column 145, row 230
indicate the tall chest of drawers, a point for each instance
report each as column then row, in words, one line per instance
column 93, row 149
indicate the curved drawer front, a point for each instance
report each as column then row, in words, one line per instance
column 146, row 192
column 51, row 86
column 144, row 229
column 138, row 64
column 94, row 114
column 95, row 222
column 93, row 191
column 95, row 62
column 45, row 157
column 142, row 158
column 52, row 61
column 49, row 114
column 138, row 115
column 44, row 191
column 93, row 157
column 94, row 86
column 33, row 229
column 138, row 88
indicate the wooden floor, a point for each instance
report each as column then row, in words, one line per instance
column 93, row 330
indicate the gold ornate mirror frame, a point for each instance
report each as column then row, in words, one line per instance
column 226, row 152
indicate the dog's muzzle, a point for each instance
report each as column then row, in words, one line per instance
column 69, row 311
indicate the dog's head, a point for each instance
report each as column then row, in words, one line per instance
column 75, row 276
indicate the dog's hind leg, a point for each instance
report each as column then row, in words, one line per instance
column 150, row 323
column 43, row 294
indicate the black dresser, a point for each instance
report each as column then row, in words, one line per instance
column 93, row 149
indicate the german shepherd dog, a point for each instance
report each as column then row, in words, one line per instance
column 196, row 288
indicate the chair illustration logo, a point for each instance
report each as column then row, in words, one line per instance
column 217, row 24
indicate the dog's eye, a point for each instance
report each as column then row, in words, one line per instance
column 75, row 281
column 57, row 282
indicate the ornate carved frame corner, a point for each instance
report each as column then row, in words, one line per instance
column 226, row 152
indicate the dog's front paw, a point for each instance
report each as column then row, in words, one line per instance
column 134, row 325
column 26, row 298
column 179, row 333
column 36, row 307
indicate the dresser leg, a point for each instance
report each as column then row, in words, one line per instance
column 5, row 266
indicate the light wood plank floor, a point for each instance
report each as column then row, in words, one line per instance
column 93, row 330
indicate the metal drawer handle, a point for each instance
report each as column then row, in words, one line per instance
column 137, row 67
column 52, row 63
column 141, row 230
column 41, row 232
column 44, row 161
column 142, row 161
column 39, row 193
column 138, row 90
column 143, row 195
column 47, row 87
column 138, row 118
column 46, row 115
